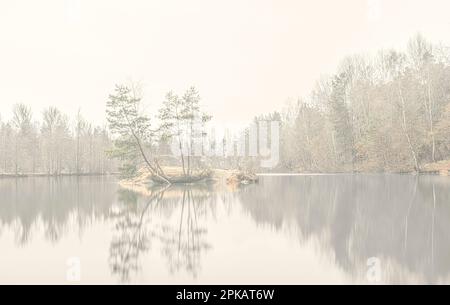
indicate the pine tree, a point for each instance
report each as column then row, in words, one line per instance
column 133, row 130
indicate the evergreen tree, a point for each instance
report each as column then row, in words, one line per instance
column 134, row 142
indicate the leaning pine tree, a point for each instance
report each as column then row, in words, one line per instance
column 134, row 136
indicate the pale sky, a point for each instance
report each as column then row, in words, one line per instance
column 246, row 57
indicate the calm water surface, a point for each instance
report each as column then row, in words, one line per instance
column 286, row 229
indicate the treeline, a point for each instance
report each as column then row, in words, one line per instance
column 53, row 145
column 389, row 112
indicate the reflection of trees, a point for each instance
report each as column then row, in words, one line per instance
column 401, row 219
column 132, row 232
column 142, row 220
column 56, row 205
column 184, row 245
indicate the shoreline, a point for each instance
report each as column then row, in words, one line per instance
column 222, row 171
column 39, row 175
column 274, row 174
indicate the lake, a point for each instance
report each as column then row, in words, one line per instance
column 324, row 229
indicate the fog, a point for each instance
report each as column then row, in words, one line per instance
column 255, row 55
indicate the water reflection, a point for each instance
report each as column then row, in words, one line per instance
column 54, row 205
column 131, row 234
column 142, row 220
column 402, row 220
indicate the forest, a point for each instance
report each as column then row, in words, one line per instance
column 53, row 145
column 385, row 112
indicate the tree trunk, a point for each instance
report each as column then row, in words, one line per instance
column 430, row 118
column 405, row 131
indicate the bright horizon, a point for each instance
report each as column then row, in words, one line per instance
column 252, row 56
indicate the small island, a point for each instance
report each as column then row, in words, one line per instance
column 145, row 152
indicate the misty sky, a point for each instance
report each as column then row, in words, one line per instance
column 245, row 56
